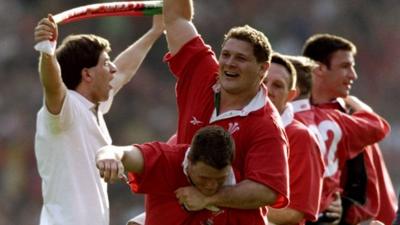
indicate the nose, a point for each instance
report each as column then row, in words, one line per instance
column 353, row 74
column 211, row 185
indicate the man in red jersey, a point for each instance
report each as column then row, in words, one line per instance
column 332, row 80
column 337, row 132
column 325, row 123
column 158, row 169
column 306, row 167
column 229, row 92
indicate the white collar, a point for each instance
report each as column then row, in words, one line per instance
column 255, row 104
column 301, row 105
column 89, row 105
column 287, row 115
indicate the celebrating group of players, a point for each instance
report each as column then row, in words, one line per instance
column 295, row 147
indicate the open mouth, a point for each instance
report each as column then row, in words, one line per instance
column 348, row 86
column 229, row 74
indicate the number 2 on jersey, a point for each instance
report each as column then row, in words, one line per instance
column 328, row 143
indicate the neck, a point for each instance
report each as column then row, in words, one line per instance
column 319, row 96
column 235, row 101
column 317, row 99
column 85, row 93
column 301, row 97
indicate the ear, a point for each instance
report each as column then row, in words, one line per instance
column 87, row 75
column 320, row 69
column 264, row 70
column 293, row 94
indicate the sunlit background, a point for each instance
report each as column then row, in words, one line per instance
column 145, row 109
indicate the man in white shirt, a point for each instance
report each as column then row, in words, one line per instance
column 79, row 83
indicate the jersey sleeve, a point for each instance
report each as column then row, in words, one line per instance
column 196, row 70
column 306, row 169
column 188, row 57
column 360, row 130
column 60, row 122
column 267, row 161
column 162, row 169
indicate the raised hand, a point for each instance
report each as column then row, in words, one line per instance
column 46, row 29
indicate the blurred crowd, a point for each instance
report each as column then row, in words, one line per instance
column 145, row 110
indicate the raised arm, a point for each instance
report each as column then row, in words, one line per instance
column 129, row 60
column 54, row 89
column 112, row 161
column 178, row 23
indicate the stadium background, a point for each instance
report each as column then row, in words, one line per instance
column 145, row 110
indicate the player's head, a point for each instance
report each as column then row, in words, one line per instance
column 321, row 47
column 281, row 81
column 84, row 59
column 335, row 57
column 304, row 68
column 244, row 58
column 210, row 158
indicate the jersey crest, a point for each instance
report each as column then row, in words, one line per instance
column 195, row 121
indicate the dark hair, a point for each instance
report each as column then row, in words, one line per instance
column 304, row 67
column 213, row 146
column 321, row 47
column 261, row 47
column 77, row 52
column 281, row 60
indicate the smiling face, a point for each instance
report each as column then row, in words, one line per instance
column 205, row 178
column 101, row 75
column 239, row 71
column 338, row 78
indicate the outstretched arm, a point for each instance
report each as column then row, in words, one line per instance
column 130, row 59
column 178, row 23
column 49, row 70
column 112, row 161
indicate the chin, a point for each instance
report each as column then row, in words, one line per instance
column 342, row 94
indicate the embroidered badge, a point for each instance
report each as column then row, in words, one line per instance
column 195, row 121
